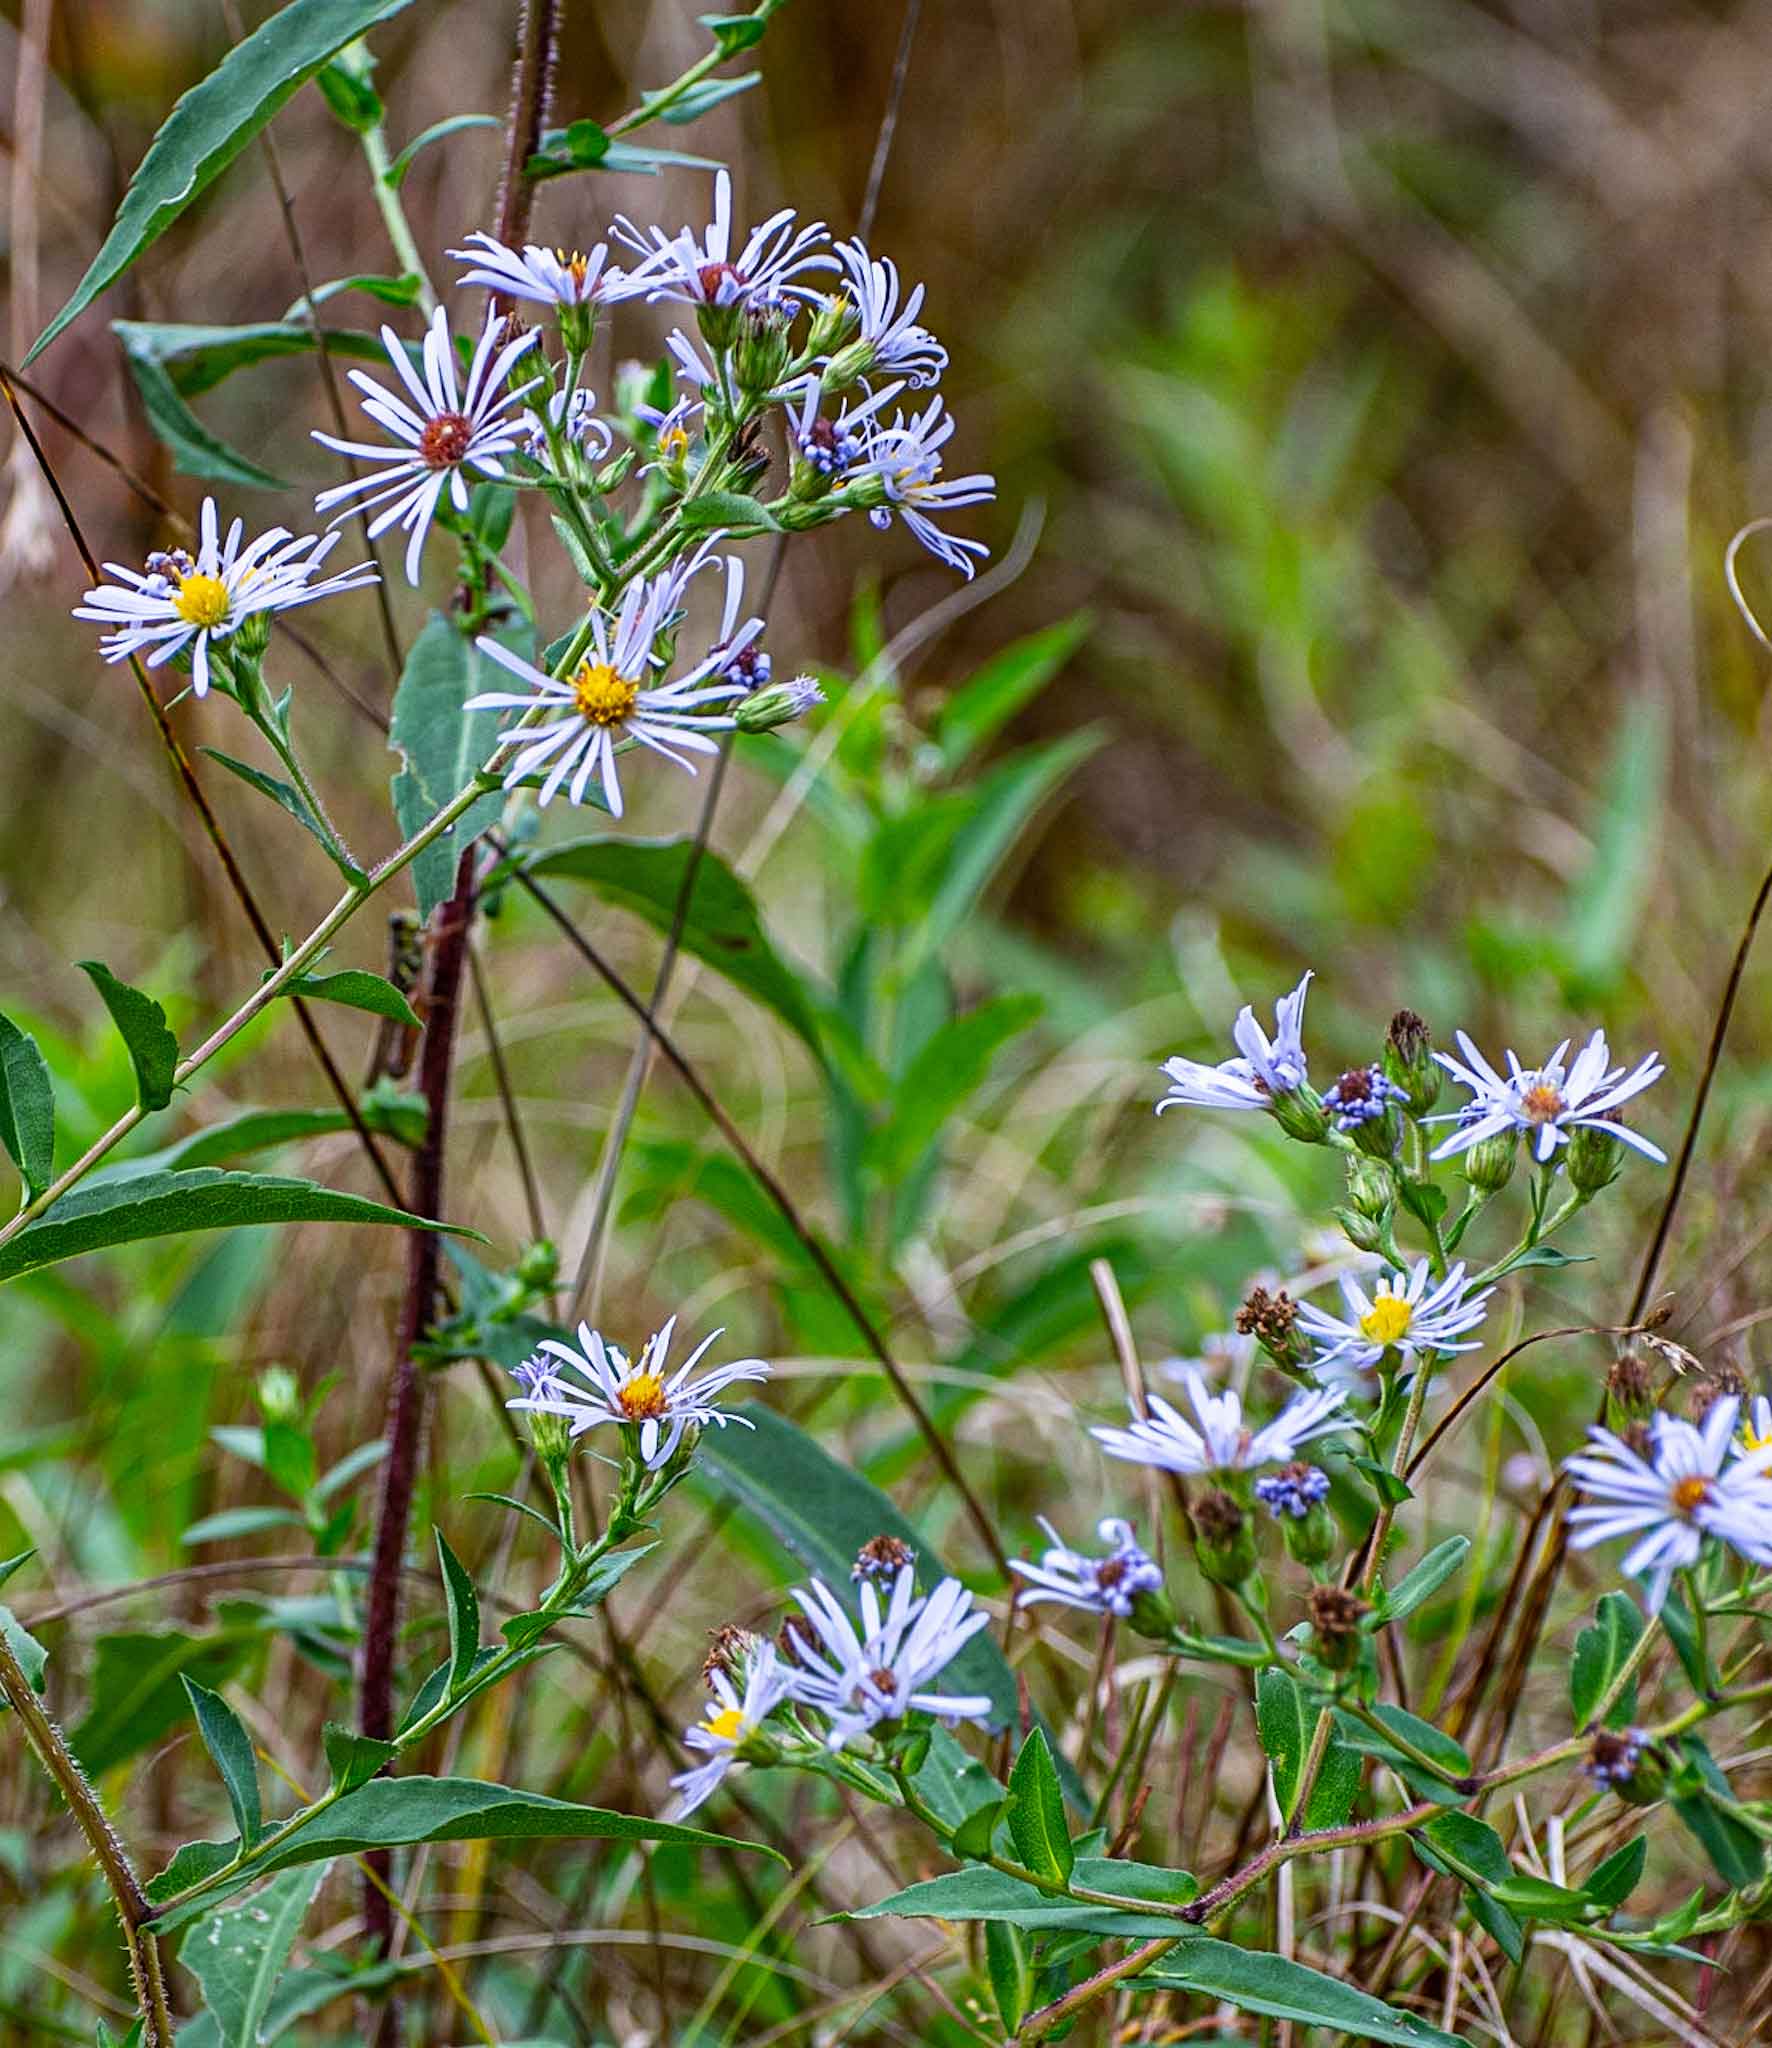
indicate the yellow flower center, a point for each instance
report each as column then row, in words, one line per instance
column 728, row 1724
column 673, row 444
column 642, row 1398
column 1689, row 1495
column 202, row 600
column 1387, row 1320
column 603, row 697
column 574, row 266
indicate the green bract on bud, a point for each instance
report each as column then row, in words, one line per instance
column 1153, row 1613
column 1312, row 1539
column 832, row 324
column 762, row 352
column 776, row 704
column 551, row 1435
column 1336, row 1616
column 849, row 365
column 1630, row 1391
column 1365, row 1233
column 1628, row 1762
column 1489, row 1164
column 1300, row 1114
column 1224, row 1543
column 252, row 637
column 1408, row 1061
column 578, row 323
column 1593, row 1158
column 279, row 1394
column 1272, row 1320
column 1371, row 1188
column 719, row 324
column 1295, row 1495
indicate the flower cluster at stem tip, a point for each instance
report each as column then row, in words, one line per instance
column 821, row 336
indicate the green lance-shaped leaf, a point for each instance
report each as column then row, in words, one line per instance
column 195, row 450
column 395, row 174
column 153, row 1050
column 981, row 1894
column 197, row 358
column 27, row 1108
column 230, row 1750
column 1426, row 1579
column 1286, row 1721
column 464, row 1612
column 352, row 1757
column 210, row 126
column 1268, row 1984
column 397, row 1813
column 1036, row 1812
column 172, row 1204
column 238, row 1954
column 1009, row 1962
column 444, row 746
column 982, row 705
column 721, row 926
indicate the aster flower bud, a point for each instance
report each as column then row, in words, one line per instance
column 762, row 353
column 1364, row 1100
column 1630, row 1391
column 1625, row 1761
column 833, row 321
column 719, row 324
column 549, row 1431
column 253, row 637
column 1366, row 1233
column 1335, row 1617
column 1722, row 1383
column 780, row 704
column 1153, row 1613
column 1224, row 1544
column 1408, row 1061
column 1593, row 1157
column 1272, row 1320
column 279, row 1394
column 882, row 1558
column 1489, row 1164
column 539, row 1266
column 1371, row 1188
column 730, row 1649
column 1294, row 1496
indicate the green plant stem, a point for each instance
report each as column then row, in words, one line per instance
column 46, row 1743
column 393, row 214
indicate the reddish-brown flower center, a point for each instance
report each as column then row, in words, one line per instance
column 712, row 275
column 445, row 440
column 1541, row 1103
column 1690, row 1494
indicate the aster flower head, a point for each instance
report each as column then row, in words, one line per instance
column 444, row 431
column 1405, row 1313
column 735, row 1716
column 738, row 657
column 1754, row 1431
column 599, row 1383
column 192, row 603
column 1293, row 1491
column 832, row 447
column 1547, row 1103
column 887, row 337
column 859, row 1677
column 707, row 270
column 1264, row 1069
column 1097, row 1585
column 573, row 415
column 1361, row 1096
column 581, row 718
column 540, row 276
column 1688, row 1483
column 903, row 460
column 1219, row 1440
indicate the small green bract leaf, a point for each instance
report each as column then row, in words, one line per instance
column 230, row 1750
column 357, row 989
column 27, row 1108
column 153, row 1051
